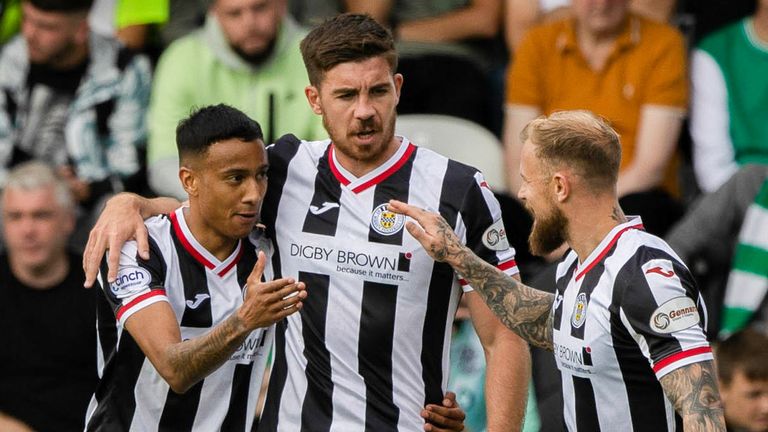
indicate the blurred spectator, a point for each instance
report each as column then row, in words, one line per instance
column 47, row 318
column 311, row 13
column 130, row 21
column 746, row 294
column 10, row 19
column 247, row 56
column 704, row 17
column 185, row 16
column 709, row 232
column 520, row 15
column 73, row 99
column 626, row 68
column 729, row 82
column 468, row 378
column 448, row 51
column 742, row 372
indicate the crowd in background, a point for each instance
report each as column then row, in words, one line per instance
column 94, row 90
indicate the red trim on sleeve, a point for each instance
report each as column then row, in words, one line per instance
column 661, row 364
column 506, row 265
column 137, row 300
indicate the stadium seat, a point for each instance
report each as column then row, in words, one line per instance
column 460, row 140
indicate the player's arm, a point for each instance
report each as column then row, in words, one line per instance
column 184, row 363
column 525, row 310
column 693, row 391
column 508, row 367
column 121, row 220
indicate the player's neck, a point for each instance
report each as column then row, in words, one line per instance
column 218, row 245
column 43, row 277
column 590, row 223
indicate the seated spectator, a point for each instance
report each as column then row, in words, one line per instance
column 247, row 56
column 184, row 17
column 707, row 238
column 131, row 21
column 746, row 294
column 742, row 372
column 47, row 318
column 520, row 15
column 311, row 13
column 10, row 19
column 73, row 99
column 448, row 52
column 626, row 68
column 729, row 99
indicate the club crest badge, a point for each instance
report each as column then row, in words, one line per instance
column 579, row 311
column 386, row 222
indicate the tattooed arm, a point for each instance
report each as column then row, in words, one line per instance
column 525, row 310
column 693, row 391
column 184, row 363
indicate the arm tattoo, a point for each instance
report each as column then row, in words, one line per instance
column 525, row 310
column 693, row 391
column 196, row 358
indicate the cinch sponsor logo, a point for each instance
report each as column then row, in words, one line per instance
column 130, row 280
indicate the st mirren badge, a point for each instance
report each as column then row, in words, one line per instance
column 579, row 311
column 386, row 222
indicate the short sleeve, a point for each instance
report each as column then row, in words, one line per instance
column 525, row 73
column 485, row 233
column 139, row 282
column 668, row 85
column 664, row 312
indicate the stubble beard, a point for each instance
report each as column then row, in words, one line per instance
column 369, row 153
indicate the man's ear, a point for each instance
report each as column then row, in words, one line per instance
column 561, row 186
column 189, row 180
column 313, row 97
column 82, row 34
column 398, row 79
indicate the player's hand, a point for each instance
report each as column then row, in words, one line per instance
column 266, row 303
column 119, row 222
column 446, row 417
column 431, row 230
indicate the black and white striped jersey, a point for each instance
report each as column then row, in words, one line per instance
column 202, row 292
column 371, row 345
column 627, row 315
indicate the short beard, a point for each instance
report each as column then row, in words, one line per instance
column 548, row 233
column 259, row 58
